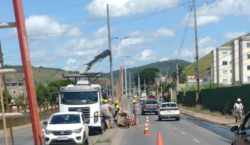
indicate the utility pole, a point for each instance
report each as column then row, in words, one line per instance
column 6, row 94
column 139, row 87
column 197, row 59
column 144, row 86
column 167, row 72
column 177, row 75
column 110, row 56
column 126, row 84
column 130, row 84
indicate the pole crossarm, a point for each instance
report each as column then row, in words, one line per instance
column 10, row 115
column 7, row 25
column 9, row 71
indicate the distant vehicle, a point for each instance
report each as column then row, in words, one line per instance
column 242, row 133
column 66, row 128
column 134, row 96
column 151, row 97
column 149, row 106
column 152, row 93
column 143, row 97
column 169, row 110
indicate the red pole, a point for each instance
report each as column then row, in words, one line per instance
column 27, row 68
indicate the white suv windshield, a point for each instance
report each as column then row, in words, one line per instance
column 79, row 97
column 65, row 119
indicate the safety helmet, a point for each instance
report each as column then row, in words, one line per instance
column 134, row 101
column 117, row 106
column 116, row 101
column 119, row 112
column 239, row 100
column 106, row 101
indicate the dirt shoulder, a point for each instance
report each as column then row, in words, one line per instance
column 210, row 118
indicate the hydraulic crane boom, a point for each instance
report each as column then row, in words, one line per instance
column 98, row 58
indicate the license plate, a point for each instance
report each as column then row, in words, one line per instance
column 62, row 138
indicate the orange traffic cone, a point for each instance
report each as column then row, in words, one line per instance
column 159, row 140
column 146, row 131
column 43, row 134
column 147, row 121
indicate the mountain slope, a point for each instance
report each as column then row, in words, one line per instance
column 162, row 66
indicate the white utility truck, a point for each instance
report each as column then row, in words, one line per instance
column 85, row 95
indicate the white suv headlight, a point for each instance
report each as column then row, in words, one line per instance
column 48, row 132
column 77, row 130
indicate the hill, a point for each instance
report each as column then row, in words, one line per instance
column 162, row 66
column 204, row 65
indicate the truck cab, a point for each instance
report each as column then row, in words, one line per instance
column 88, row 98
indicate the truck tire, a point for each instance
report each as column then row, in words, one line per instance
column 177, row 119
column 86, row 141
column 159, row 119
column 102, row 129
column 142, row 113
column 156, row 112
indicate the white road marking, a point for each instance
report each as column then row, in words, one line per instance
column 196, row 140
column 174, row 128
column 183, row 133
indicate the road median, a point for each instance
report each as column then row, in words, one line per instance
column 209, row 118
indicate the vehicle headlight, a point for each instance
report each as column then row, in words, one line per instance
column 96, row 114
column 48, row 132
column 77, row 130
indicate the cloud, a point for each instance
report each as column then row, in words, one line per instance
column 164, row 59
column 206, row 45
column 233, row 35
column 41, row 26
column 215, row 12
column 118, row 8
column 72, row 65
column 146, row 55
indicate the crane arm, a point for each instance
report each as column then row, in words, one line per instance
column 97, row 58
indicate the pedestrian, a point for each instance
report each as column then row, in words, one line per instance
column 106, row 109
column 238, row 110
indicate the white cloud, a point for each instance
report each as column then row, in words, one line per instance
column 146, row 55
column 97, row 8
column 71, row 61
column 164, row 59
column 233, row 35
column 215, row 12
column 206, row 45
column 41, row 26
column 72, row 65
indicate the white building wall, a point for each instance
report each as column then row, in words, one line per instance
column 235, row 61
column 244, row 59
column 214, row 67
column 224, row 66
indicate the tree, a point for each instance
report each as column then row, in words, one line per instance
column 19, row 100
column 182, row 76
column 4, row 100
column 42, row 94
column 148, row 74
column 59, row 83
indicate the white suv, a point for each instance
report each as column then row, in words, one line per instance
column 66, row 128
column 169, row 110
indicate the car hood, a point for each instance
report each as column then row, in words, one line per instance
column 58, row 127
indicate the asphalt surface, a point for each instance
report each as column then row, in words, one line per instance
column 25, row 137
column 187, row 131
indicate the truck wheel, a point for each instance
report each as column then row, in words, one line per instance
column 156, row 112
column 102, row 128
column 177, row 119
column 159, row 119
column 87, row 141
column 142, row 113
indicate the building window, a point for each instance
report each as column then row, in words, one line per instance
column 225, row 72
column 224, row 53
column 248, row 67
column 248, row 79
column 248, row 56
column 224, row 62
column 248, row 45
column 225, row 81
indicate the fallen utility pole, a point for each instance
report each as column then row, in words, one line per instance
column 197, row 59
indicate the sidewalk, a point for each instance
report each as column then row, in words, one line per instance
column 209, row 118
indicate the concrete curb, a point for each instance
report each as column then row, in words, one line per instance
column 94, row 142
column 112, row 138
column 207, row 119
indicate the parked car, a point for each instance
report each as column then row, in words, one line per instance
column 169, row 110
column 149, row 106
column 66, row 128
column 242, row 133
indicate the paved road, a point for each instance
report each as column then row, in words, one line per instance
column 187, row 131
column 25, row 137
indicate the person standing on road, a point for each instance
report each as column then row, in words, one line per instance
column 238, row 110
column 106, row 109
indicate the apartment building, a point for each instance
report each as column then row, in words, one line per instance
column 221, row 68
column 231, row 64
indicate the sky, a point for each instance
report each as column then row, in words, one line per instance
column 67, row 34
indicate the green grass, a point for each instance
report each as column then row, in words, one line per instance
column 204, row 65
column 229, row 42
